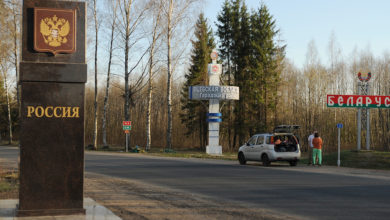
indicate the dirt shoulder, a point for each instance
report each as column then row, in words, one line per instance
column 8, row 179
column 135, row 200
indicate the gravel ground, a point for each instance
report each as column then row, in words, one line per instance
column 136, row 200
column 7, row 167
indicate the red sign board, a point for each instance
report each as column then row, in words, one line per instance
column 214, row 69
column 355, row 101
column 126, row 123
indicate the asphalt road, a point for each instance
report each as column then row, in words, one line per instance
column 9, row 153
column 307, row 192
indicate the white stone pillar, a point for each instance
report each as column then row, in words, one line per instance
column 215, row 71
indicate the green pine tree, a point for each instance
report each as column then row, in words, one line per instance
column 243, row 74
column 225, row 33
column 265, row 60
column 195, row 113
column 249, row 48
column 235, row 46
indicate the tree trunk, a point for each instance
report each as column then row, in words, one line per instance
column 230, row 119
column 127, row 73
column 148, row 115
column 96, row 89
column 156, row 35
column 15, row 35
column 8, row 107
column 149, row 108
column 169, row 82
column 106, row 97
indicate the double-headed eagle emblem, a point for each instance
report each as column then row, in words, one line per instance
column 54, row 30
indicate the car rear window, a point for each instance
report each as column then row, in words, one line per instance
column 289, row 139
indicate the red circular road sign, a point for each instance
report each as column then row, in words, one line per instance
column 214, row 55
column 215, row 68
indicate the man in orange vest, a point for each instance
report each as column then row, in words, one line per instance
column 317, row 149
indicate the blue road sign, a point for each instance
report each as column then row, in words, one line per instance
column 339, row 125
column 214, row 114
column 214, row 120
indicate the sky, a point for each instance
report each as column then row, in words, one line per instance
column 360, row 24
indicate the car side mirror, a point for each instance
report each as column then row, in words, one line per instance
column 247, row 144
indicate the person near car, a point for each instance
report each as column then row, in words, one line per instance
column 278, row 141
column 310, row 148
column 317, row 149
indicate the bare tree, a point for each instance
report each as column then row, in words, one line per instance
column 15, row 7
column 7, row 19
column 105, row 106
column 96, row 74
column 131, row 18
column 156, row 33
column 176, row 13
column 169, row 80
column 4, row 68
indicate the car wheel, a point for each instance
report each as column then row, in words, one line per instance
column 265, row 160
column 293, row 163
column 241, row 158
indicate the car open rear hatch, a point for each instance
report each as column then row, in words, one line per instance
column 286, row 129
column 289, row 141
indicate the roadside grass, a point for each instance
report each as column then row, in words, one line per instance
column 192, row 154
column 6, row 143
column 162, row 152
column 9, row 182
column 5, row 186
column 356, row 159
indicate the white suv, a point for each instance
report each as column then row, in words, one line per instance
column 282, row 145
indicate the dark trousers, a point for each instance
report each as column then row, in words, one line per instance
column 310, row 155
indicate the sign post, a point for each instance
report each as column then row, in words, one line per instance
column 364, row 89
column 127, row 128
column 215, row 71
column 127, row 142
column 339, row 126
column 363, row 102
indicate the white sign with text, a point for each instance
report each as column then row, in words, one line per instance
column 214, row 92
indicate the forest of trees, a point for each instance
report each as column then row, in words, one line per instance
column 143, row 55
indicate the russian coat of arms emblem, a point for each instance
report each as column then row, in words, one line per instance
column 54, row 30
